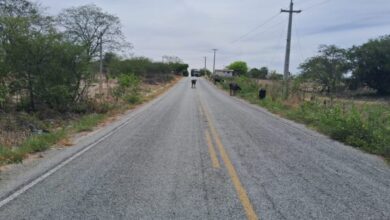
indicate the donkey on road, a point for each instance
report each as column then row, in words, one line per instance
column 193, row 83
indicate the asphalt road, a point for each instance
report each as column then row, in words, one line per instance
column 200, row 154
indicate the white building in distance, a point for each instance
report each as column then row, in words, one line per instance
column 224, row 73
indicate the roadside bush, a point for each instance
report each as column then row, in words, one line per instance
column 133, row 99
column 3, row 95
column 128, row 87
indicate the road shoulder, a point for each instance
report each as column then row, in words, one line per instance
column 14, row 177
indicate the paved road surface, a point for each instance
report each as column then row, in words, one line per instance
column 200, row 154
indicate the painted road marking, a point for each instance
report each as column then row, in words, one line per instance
column 213, row 154
column 241, row 192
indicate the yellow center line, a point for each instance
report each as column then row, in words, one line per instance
column 241, row 192
column 213, row 154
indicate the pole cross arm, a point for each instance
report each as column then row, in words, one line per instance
column 293, row 11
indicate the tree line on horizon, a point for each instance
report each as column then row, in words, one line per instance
column 335, row 68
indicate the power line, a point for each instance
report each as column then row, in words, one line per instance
column 315, row 5
column 297, row 35
column 273, row 27
column 269, row 31
column 280, row 41
column 256, row 28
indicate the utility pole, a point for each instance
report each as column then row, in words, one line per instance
column 205, row 63
column 288, row 46
column 215, row 50
column 101, row 53
column 101, row 64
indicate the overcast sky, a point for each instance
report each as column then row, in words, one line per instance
column 189, row 29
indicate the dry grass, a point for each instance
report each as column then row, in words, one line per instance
column 13, row 138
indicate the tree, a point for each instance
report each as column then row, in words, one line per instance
column 18, row 8
column 89, row 26
column 239, row 67
column 59, row 84
column 371, row 64
column 22, row 39
column 263, row 72
column 328, row 68
column 110, row 61
column 178, row 68
column 259, row 73
column 36, row 60
column 275, row 76
column 205, row 72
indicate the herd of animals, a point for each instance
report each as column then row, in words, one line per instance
column 233, row 87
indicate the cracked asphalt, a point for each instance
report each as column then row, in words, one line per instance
column 162, row 165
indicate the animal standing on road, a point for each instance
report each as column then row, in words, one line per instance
column 234, row 87
column 193, row 83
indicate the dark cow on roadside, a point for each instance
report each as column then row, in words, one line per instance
column 193, row 83
column 234, row 87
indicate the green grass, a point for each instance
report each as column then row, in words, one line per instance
column 366, row 127
column 36, row 143
column 88, row 122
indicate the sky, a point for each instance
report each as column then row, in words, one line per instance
column 253, row 31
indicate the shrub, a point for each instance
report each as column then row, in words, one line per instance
column 133, row 99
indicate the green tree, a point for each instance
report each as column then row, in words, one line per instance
column 371, row 64
column 258, row 73
column 61, row 78
column 110, row 62
column 18, row 8
column 128, row 88
column 205, row 72
column 36, row 61
column 22, row 39
column 179, row 68
column 264, row 72
column 328, row 68
column 273, row 75
column 239, row 67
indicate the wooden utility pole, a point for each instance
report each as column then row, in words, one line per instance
column 101, row 64
column 288, row 47
column 215, row 50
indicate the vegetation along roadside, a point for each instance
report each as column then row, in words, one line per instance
column 342, row 93
column 67, row 73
